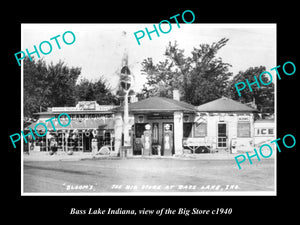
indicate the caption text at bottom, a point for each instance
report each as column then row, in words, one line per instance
column 157, row 212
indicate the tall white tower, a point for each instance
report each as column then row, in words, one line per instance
column 126, row 80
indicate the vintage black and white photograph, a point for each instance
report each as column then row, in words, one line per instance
column 148, row 109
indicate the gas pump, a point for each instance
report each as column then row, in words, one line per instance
column 94, row 143
column 168, row 140
column 147, row 141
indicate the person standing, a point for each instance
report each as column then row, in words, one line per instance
column 53, row 146
column 70, row 146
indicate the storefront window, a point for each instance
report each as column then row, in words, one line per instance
column 201, row 130
column 61, row 141
column 243, row 130
column 155, row 133
column 41, row 141
column 106, row 140
column 79, row 141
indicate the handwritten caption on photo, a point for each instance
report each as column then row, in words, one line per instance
column 146, row 187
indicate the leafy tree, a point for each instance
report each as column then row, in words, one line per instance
column 48, row 85
column 54, row 85
column 200, row 78
column 35, row 90
column 97, row 91
column 84, row 90
column 263, row 96
column 63, row 81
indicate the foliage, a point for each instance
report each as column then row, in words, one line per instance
column 200, row 78
column 54, row 85
column 203, row 77
column 97, row 91
column 263, row 96
column 48, row 85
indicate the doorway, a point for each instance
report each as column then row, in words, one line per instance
column 222, row 135
column 139, row 129
column 87, row 140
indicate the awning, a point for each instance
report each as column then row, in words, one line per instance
column 76, row 124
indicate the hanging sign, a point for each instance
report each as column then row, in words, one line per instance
column 243, row 118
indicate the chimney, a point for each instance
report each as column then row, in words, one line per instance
column 176, row 95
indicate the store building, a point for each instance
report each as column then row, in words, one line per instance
column 157, row 126
column 163, row 126
column 92, row 125
column 229, row 125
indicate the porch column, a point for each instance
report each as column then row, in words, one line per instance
column 118, row 126
column 178, row 132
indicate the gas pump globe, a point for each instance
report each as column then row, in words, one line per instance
column 126, row 78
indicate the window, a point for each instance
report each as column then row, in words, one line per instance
column 41, row 141
column 105, row 139
column 155, row 133
column 79, row 141
column 61, row 141
column 187, row 130
column 243, row 130
column 200, row 130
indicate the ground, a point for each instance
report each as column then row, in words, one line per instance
column 147, row 175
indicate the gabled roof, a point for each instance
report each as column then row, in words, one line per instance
column 159, row 104
column 224, row 105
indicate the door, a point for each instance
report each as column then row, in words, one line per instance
column 87, row 140
column 222, row 135
column 137, row 138
column 156, row 146
column 167, row 145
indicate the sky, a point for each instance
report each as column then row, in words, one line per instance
column 99, row 48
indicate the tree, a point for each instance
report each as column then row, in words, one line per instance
column 35, row 90
column 97, row 91
column 209, row 75
column 263, row 96
column 200, row 78
column 48, row 85
column 63, row 81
